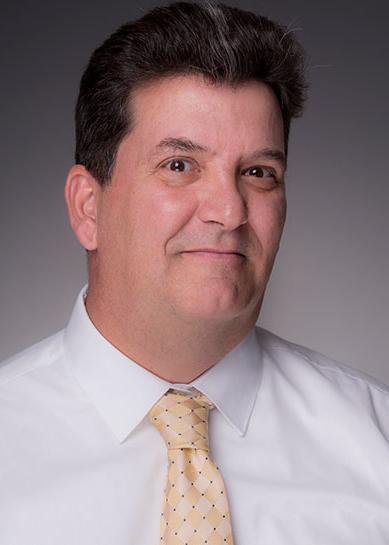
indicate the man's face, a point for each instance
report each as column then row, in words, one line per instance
column 191, row 221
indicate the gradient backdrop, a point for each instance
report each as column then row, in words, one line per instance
column 329, row 289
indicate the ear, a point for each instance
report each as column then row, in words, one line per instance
column 81, row 195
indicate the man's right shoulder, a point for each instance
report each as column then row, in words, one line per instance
column 39, row 355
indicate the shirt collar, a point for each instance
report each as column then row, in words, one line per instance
column 123, row 391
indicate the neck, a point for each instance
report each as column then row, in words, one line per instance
column 175, row 349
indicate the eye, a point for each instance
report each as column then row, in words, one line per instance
column 179, row 170
column 178, row 165
column 259, row 172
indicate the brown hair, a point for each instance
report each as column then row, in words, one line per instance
column 223, row 43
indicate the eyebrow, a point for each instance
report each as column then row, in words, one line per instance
column 184, row 144
column 270, row 154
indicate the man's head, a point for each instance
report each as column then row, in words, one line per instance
column 224, row 44
column 182, row 123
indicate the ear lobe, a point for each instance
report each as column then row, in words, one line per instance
column 81, row 196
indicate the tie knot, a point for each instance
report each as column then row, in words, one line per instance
column 182, row 419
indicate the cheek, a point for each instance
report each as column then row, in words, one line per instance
column 268, row 221
column 168, row 210
column 117, row 219
column 144, row 215
column 279, row 214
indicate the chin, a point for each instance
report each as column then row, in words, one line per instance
column 211, row 311
column 214, row 300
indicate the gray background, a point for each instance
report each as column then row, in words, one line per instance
column 329, row 288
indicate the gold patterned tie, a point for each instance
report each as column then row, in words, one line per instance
column 195, row 508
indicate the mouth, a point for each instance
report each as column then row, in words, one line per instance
column 215, row 254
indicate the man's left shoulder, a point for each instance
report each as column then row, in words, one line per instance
column 310, row 370
column 331, row 368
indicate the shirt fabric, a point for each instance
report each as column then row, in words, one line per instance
column 302, row 443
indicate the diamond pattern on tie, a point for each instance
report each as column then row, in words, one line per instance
column 195, row 509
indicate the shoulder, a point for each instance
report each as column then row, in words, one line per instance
column 40, row 355
column 290, row 354
column 327, row 387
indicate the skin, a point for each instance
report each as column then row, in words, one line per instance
column 174, row 311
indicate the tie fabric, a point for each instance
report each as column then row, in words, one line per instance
column 195, row 508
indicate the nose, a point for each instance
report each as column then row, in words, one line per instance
column 223, row 202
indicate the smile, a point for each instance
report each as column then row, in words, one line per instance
column 207, row 254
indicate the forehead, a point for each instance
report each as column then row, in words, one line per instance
column 216, row 115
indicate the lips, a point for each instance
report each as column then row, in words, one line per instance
column 215, row 255
column 215, row 251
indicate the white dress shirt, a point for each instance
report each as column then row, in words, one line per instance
column 302, row 443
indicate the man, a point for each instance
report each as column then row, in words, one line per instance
column 178, row 196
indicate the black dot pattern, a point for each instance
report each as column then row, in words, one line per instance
column 195, row 509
